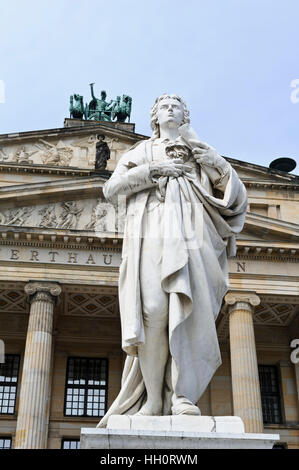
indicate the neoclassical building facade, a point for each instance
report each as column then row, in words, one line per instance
column 59, row 313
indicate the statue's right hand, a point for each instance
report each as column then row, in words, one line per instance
column 173, row 168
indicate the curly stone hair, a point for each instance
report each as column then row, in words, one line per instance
column 154, row 120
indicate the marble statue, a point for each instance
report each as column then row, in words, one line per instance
column 185, row 205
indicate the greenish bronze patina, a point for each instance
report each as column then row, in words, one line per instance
column 98, row 109
column 77, row 107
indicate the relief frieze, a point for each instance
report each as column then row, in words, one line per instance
column 92, row 214
column 76, row 152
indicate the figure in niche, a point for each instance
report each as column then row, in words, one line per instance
column 102, row 153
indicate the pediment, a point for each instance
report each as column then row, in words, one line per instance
column 249, row 172
column 258, row 228
column 71, row 146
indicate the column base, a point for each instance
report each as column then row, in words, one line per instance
column 174, row 432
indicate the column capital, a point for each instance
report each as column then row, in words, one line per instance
column 42, row 290
column 249, row 298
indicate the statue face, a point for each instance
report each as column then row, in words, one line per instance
column 170, row 113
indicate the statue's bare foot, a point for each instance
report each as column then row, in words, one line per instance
column 154, row 409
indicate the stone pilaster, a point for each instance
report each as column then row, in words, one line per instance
column 245, row 378
column 33, row 412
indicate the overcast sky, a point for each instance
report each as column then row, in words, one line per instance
column 233, row 61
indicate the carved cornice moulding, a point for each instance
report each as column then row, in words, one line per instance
column 59, row 238
column 60, row 132
column 270, row 185
column 44, row 190
column 82, row 239
column 12, row 167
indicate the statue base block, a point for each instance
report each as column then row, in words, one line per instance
column 174, row 432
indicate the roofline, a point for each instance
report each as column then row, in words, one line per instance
column 132, row 136
column 109, row 129
column 264, row 169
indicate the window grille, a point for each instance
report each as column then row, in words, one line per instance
column 86, row 387
column 270, row 394
column 70, row 444
column 5, row 442
column 9, row 372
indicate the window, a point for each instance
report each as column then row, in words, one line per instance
column 70, row 444
column 5, row 442
column 270, row 394
column 86, row 387
column 9, row 372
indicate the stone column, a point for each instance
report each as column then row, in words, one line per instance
column 33, row 413
column 245, row 378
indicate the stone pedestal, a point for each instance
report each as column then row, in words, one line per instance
column 174, row 432
column 33, row 412
column 245, row 377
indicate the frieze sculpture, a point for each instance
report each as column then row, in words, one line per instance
column 16, row 217
column 99, row 211
column 4, row 156
column 20, row 156
column 23, row 156
column 70, row 215
column 98, row 109
column 185, row 206
column 55, row 154
column 48, row 217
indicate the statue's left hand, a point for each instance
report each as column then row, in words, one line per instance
column 216, row 166
column 204, row 154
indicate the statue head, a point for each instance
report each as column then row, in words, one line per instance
column 180, row 112
column 103, row 95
